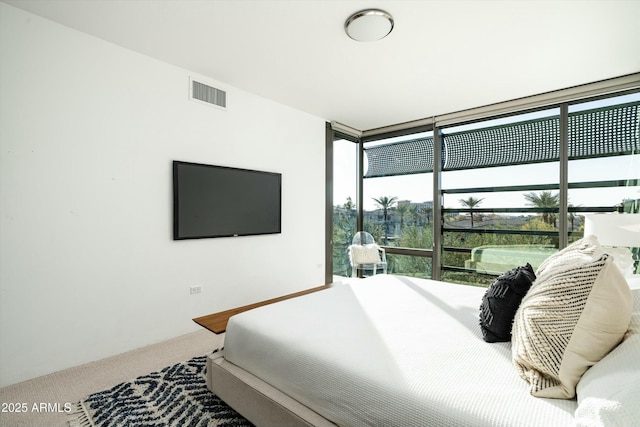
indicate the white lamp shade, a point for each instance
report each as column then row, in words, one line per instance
column 614, row 229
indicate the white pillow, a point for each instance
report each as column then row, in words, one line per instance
column 609, row 392
column 567, row 322
column 367, row 254
column 581, row 251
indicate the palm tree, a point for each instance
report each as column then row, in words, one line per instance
column 402, row 211
column 349, row 204
column 546, row 199
column 414, row 215
column 385, row 203
column 471, row 203
column 350, row 207
column 427, row 210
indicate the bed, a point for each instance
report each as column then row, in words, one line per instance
column 400, row 351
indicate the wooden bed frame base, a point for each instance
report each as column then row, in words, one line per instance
column 257, row 401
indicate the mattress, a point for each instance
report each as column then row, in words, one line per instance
column 389, row 350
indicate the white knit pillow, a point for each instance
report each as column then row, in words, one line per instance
column 569, row 320
column 367, row 254
column 581, row 251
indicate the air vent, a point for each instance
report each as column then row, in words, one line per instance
column 208, row 94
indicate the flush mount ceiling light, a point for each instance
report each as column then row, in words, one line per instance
column 369, row 25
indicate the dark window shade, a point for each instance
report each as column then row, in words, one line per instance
column 400, row 158
column 604, row 132
column 600, row 132
column 519, row 143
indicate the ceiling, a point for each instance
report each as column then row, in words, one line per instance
column 441, row 57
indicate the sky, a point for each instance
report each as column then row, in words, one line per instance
column 419, row 187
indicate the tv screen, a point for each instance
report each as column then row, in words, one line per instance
column 219, row 201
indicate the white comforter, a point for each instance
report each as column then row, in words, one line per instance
column 389, row 351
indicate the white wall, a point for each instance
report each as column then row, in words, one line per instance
column 87, row 132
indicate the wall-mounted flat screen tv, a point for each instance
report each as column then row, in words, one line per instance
column 220, row 201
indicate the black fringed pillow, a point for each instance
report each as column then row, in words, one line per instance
column 500, row 302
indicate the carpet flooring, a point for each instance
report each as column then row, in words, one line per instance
column 63, row 389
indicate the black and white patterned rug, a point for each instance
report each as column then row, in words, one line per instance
column 175, row 396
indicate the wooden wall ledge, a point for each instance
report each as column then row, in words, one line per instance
column 217, row 322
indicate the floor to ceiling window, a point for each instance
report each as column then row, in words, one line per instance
column 397, row 205
column 345, row 178
column 500, row 195
column 398, row 200
column 609, row 180
column 511, row 190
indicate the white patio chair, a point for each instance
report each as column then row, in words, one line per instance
column 365, row 254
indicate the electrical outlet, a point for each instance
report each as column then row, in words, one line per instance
column 196, row 289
